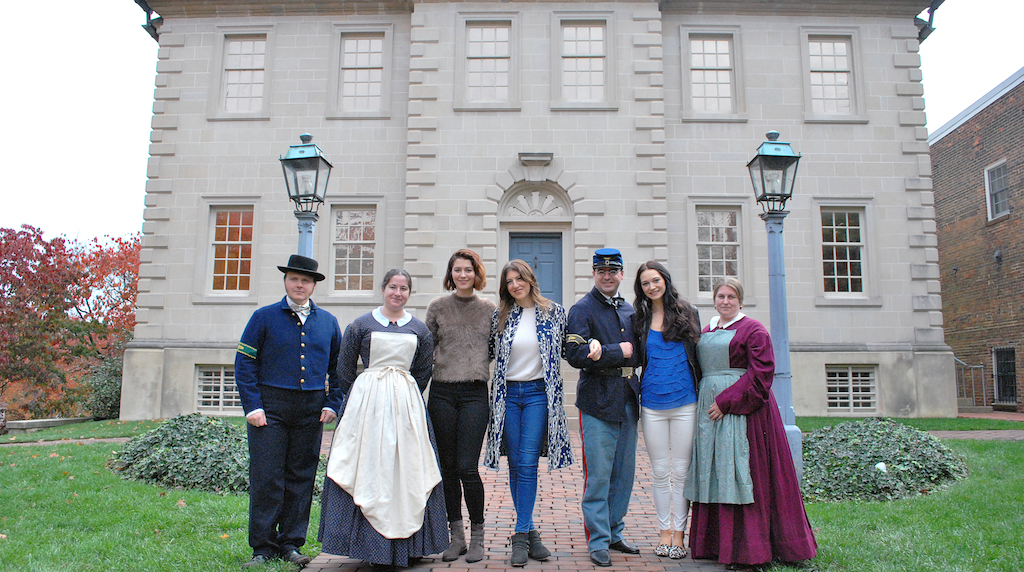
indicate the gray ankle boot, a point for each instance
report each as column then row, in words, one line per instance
column 458, row 546
column 537, row 550
column 476, row 542
column 520, row 549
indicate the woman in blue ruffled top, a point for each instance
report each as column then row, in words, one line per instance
column 667, row 328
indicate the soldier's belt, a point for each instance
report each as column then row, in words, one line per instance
column 612, row 372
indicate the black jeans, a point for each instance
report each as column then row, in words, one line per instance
column 459, row 412
column 283, row 457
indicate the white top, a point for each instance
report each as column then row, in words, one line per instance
column 713, row 324
column 524, row 363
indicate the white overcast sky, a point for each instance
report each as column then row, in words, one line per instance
column 77, row 91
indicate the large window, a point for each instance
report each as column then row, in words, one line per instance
column 362, row 72
column 717, row 246
column 361, row 68
column 355, row 240
column 583, row 63
column 216, row 391
column 997, row 188
column 851, row 388
column 833, row 75
column 488, row 61
column 711, row 74
column 830, row 75
column 232, row 248
column 842, row 251
column 244, row 71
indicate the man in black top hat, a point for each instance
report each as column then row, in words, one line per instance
column 285, row 372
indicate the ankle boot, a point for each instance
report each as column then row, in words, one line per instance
column 476, row 542
column 458, row 546
column 537, row 550
column 520, row 549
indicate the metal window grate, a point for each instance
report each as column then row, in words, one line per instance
column 216, row 391
column 851, row 388
column 1005, row 372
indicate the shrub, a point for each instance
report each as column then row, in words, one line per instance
column 104, row 384
column 876, row 459
column 188, row 451
column 193, row 452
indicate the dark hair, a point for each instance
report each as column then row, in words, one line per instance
column 680, row 321
column 395, row 272
column 478, row 269
column 505, row 299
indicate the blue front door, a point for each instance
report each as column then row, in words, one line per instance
column 543, row 252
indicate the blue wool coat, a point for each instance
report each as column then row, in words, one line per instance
column 278, row 350
column 551, row 336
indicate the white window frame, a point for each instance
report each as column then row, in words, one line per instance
column 222, row 394
column 215, row 107
column 858, row 112
column 558, row 100
column 731, row 33
column 202, row 291
column 744, row 207
column 463, row 22
column 334, row 91
column 854, row 373
column 990, row 204
column 870, row 296
column 326, row 252
column 738, row 244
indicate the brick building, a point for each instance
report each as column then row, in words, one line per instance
column 544, row 130
column 978, row 176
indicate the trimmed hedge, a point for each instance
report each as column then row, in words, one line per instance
column 876, row 459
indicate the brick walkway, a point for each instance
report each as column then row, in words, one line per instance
column 560, row 522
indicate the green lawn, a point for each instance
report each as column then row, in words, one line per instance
column 808, row 424
column 62, row 510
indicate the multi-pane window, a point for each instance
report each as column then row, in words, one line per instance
column 830, row 75
column 232, row 248
column 711, row 73
column 998, row 186
column 583, row 61
column 355, row 232
column 244, row 73
column 842, row 251
column 488, row 61
column 717, row 246
column 216, row 390
column 851, row 388
column 362, row 72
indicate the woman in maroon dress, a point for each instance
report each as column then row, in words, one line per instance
column 747, row 509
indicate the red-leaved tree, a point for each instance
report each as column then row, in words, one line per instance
column 63, row 307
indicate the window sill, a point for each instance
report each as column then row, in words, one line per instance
column 814, row 118
column 375, row 115
column 240, row 117
column 488, row 107
column 713, row 118
column 346, row 298
column 866, row 302
column 227, row 299
column 1003, row 217
column 584, row 106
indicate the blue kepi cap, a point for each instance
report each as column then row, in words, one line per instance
column 607, row 258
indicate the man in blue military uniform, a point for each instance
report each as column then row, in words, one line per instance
column 601, row 343
column 285, row 373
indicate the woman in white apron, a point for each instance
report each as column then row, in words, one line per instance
column 382, row 501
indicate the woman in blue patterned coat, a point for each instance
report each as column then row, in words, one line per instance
column 527, row 335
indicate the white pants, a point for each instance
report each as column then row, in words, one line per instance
column 668, row 434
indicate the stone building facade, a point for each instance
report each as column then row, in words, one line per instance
column 978, row 172
column 542, row 131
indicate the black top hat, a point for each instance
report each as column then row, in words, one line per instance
column 608, row 258
column 302, row 265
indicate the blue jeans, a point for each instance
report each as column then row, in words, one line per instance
column 609, row 466
column 526, row 419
